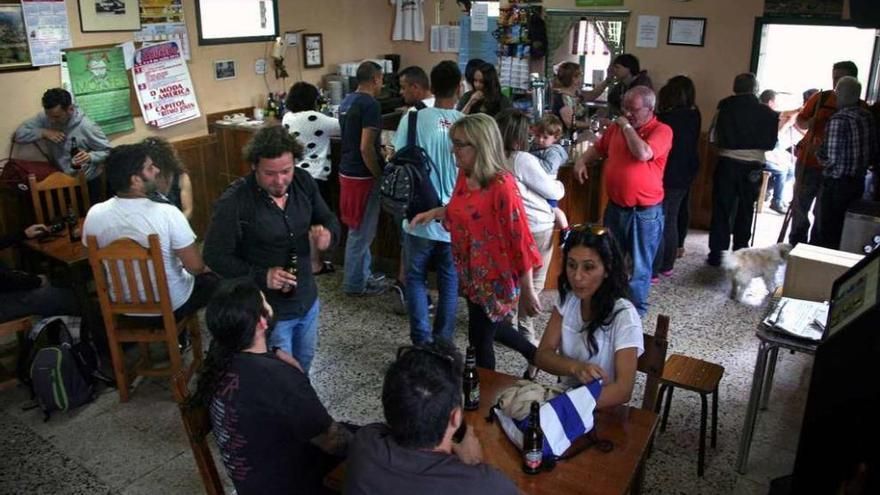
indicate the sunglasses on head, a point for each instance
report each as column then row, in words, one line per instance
column 596, row 229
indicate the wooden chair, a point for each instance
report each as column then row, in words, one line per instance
column 122, row 262
column 197, row 425
column 697, row 376
column 20, row 327
column 56, row 193
column 653, row 360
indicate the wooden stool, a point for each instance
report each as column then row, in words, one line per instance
column 697, row 376
column 765, row 178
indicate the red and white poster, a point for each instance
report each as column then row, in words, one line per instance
column 164, row 88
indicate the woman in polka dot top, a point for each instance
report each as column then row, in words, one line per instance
column 312, row 128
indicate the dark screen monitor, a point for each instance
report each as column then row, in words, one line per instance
column 839, row 444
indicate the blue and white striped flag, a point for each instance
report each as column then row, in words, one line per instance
column 563, row 419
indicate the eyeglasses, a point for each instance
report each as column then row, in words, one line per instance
column 596, row 229
column 459, row 145
column 633, row 110
column 404, row 349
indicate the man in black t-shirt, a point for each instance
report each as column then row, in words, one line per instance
column 419, row 456
column 361, row 164
column 274, row 434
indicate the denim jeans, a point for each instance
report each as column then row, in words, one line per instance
column 805, row 191
column 483, row 332
column 298, row 336
column 780, row 176
column 357, row 247
column 420, row 254
column 638, row 231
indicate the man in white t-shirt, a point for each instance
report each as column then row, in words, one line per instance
column 415, row 88
column 132, row 174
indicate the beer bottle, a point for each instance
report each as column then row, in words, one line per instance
column 291, row 267
column 72, row 224
column 74, row 150
column 471, row 381
column 533, row 442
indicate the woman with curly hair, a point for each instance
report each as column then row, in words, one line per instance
column 174, row 185
column 594, row 331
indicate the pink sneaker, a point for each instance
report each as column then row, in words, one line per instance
column 655, row 280
column 667, row 273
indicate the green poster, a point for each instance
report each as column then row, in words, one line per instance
column 598, row 3
column 100, row 85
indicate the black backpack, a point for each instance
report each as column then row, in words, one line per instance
column 59, row 369
column 405, row 189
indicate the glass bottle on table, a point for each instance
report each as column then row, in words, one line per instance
column 471, row 381
column 533, row 442
column 72, row 225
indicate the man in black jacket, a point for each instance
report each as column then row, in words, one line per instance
column 23, row 293
column 264, row 219
column 743, row 130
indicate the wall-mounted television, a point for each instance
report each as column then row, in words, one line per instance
column 236, row 21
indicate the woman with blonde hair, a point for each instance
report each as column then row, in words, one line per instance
column 568, row 98
column 492, row 246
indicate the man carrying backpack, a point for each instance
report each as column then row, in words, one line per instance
column 429, row 244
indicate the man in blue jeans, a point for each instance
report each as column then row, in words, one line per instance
column 360, row 166
column 264, row 220
column 635, row 151
column 425, row 244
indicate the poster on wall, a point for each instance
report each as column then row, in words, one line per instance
column 164, row 88
column 99, row 82
column 48, row 34
column 162, row 20
column 14, row 53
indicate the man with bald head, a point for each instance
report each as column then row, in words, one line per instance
column 635, row 150
column 850, row 146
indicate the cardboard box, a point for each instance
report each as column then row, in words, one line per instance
column 812, row 270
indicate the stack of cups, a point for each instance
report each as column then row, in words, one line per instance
column 335, row 89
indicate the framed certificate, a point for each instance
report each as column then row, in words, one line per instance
column 313, row 50
column 688, row 31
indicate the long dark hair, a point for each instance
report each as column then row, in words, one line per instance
column 679, row 92
column 231, row 316
column 614, row 286
column 491, row 88
column 514, row 126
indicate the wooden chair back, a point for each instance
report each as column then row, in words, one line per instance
column 53, row 195
column 130, row 279
column 197, row 425
column 651, row 362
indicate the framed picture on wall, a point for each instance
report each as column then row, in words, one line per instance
column 313, row 50
column 109, row 15
column 687, row 31
column 224, row 69
column 14, row 51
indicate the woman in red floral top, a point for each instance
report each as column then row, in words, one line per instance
column 492, row 246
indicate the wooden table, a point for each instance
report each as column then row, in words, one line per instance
column 590, row 472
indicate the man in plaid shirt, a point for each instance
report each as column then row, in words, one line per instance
column 851, row 145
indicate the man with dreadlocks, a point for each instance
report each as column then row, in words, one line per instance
column 274, row 434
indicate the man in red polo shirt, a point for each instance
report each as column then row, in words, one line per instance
column 635, row 151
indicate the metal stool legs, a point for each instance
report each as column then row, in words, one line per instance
column 663, row 407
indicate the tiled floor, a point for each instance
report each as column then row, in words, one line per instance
column 140, row 447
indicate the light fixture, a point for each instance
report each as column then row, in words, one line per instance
column 582, row 35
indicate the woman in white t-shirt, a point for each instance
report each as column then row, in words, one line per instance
column 594, row 331
column 313, row 129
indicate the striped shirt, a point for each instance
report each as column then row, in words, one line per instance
column 851, row 144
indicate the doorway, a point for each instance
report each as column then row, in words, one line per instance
column 793, row 56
